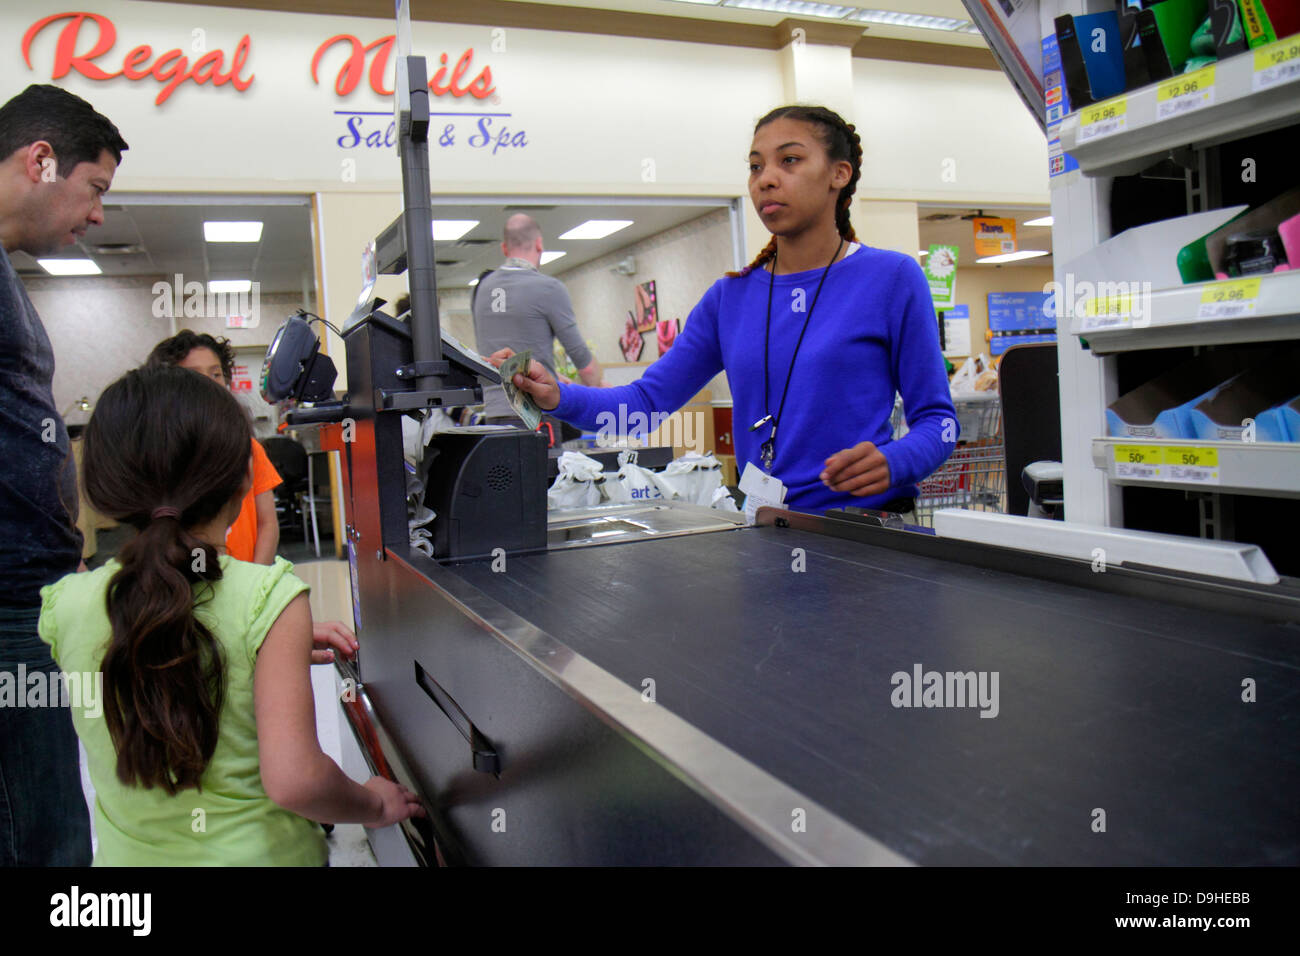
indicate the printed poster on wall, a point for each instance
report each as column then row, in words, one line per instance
column 994, row 237
column 941, row 272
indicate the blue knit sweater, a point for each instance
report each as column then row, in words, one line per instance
column 873, row 332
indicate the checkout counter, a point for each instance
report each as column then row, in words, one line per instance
column 664, row 685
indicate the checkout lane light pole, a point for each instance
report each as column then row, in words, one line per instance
column 412, row 121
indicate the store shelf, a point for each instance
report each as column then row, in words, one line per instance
column 1127, row 133
column 1259, row 468
column 1259, row 309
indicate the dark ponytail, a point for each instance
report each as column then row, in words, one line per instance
column 842, row 142
column 170, row 439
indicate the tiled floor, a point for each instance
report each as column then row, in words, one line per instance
column 330, row 601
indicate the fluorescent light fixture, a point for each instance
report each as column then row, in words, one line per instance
column 445, row 230
column 229, row 285
column 1015, row 256
column 70, row 267
column 1044, row 221
column 551, row 256
column 831, row 11
column 232, row 231
column 918, row 20
column 597, row 228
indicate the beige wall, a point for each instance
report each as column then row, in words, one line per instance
column 976, row 282
column 683, row 262
column 101, row 327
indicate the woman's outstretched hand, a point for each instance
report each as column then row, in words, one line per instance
column 540, row 384
column 859, row 471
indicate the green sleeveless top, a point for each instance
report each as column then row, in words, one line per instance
column 230, row 821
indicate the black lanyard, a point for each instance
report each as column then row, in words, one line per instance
column 768, row 449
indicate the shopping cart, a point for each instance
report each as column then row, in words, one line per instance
column 974, row 476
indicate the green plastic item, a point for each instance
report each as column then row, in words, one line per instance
column 1177, row 20
column 1194, row 258
column 1203, row 41
column 1197, row 62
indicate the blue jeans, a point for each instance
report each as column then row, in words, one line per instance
column 43, row 816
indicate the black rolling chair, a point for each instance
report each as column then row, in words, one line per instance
column 290, row 460
column 1031, row 425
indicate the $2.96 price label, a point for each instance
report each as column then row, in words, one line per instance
column 1276, row 63
column 1103, row 119
column 1183, row 94
column 1228, row 300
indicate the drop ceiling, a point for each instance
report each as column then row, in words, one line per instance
column 945, row 225
column 147, row 236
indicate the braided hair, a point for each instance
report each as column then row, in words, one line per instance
column 842, row 143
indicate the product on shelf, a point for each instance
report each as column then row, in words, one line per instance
column 1135, row 61
column 1289, row 232
column 1265, row 218
column 1228, row 413
column 1225, row 27
column 1206, row 258
column 1091, row 74
column 1254, row 253
column 1161, row 408
column 1165, row 31
column 1267, row 20
column 1279, row 424
column 1146, row 253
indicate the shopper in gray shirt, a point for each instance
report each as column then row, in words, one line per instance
column 57, row 159
column 518, row 307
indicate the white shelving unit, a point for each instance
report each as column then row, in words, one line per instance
column 1249, row 93
column 1253, row 92
column 1271, row 468
column 1258, row 309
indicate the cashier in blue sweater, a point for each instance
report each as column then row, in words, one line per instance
column 816, row 335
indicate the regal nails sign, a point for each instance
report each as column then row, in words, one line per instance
column 86, row 44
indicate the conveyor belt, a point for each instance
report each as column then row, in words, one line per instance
column 1105, row 702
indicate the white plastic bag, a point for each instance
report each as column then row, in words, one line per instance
column 578, row 483
column 963, row 380
column 642, row 484
column 695, row 478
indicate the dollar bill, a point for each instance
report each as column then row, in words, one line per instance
column 521, row 402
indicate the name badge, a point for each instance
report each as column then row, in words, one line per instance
column 760, row 489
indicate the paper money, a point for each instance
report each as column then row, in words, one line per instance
column 521, row 402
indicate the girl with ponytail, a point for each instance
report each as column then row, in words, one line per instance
column 205, row 749
column 816, row 336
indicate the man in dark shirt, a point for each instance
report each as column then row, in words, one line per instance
column 57, row 159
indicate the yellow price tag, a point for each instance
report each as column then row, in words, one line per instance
column 1105, row 110
column 1186, row 84
column 1276, row 63
column 1192, row 456
column 1139, row 454
column 1228, row 299
column 1103, row 119
column 1185, row 93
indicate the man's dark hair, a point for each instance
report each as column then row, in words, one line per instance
column 172, row 351
column 68, row 123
